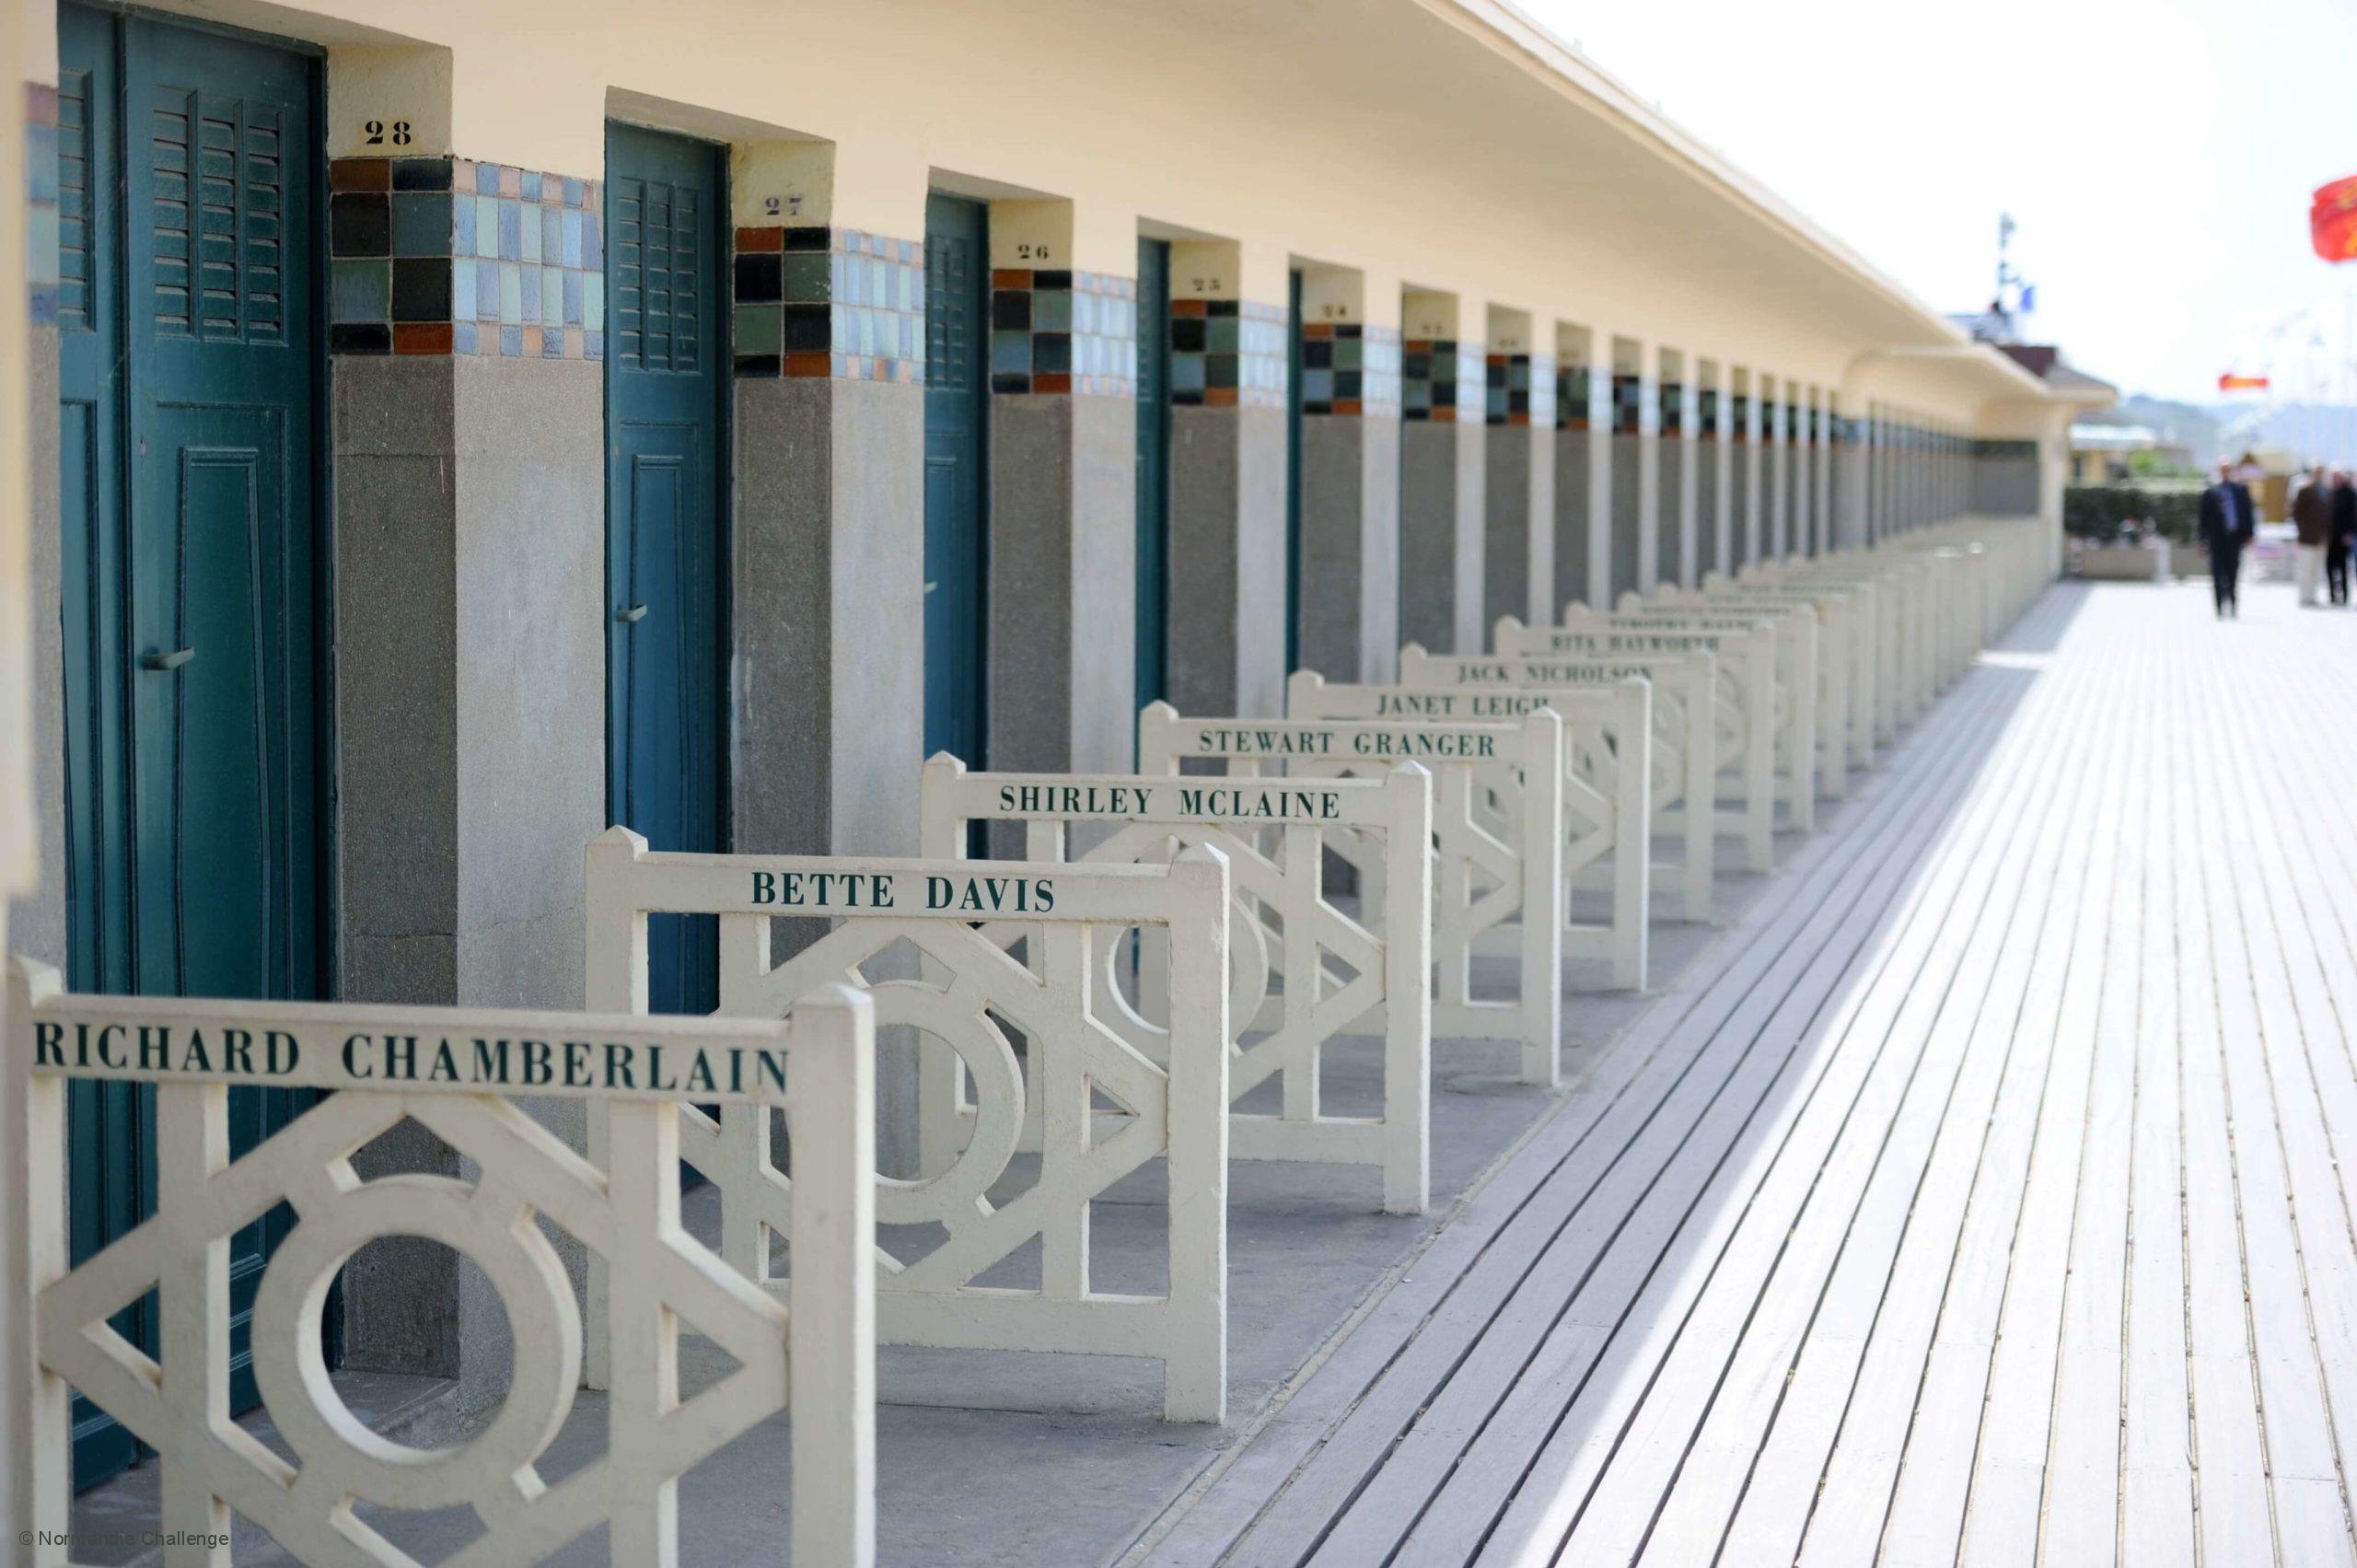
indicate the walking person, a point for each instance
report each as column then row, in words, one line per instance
column 2344, row 534
column 2311, row 524
column 2227, row 524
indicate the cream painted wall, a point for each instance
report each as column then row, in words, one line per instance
column 1379, row 136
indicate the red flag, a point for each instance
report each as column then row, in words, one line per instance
column 2332, row 220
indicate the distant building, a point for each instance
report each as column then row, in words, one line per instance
column 2102, row 454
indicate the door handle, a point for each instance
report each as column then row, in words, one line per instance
column 165, row 663
column 633, row 616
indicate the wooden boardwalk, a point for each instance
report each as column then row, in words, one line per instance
column 1977, row 1199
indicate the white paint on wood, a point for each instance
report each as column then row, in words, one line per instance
column 1497, row 833
column 1606, row 793
column 1685, row 738
column 626, row 1214
column 961, row 918
column 1333, row 973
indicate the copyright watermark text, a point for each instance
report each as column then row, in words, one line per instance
column 122, row 1538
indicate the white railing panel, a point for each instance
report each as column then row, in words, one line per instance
column 453, row 1071
column 1332, row 974
column 1608, row 770
column 1754, row 708
column 1497, row 831
column 1685, row 739
column 952, row 915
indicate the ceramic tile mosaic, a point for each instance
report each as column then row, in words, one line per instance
column 818, row 302
column 1627, row 405
column 446, row 255
column 1053, row 330
column 1349, row 369
column 1226, row 352
column 1571, row 382
column 47, row 215
column 1432, row 379
column 1520, row 389
column 1506, row 389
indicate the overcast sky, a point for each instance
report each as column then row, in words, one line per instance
column 2158, row 154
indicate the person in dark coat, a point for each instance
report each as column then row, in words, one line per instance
column 2344, row 533
column 2228, row 521
column 2311, row 526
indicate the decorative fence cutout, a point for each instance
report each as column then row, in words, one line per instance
column 949, row 915
column 1497, row 831
column 1331, row 974
column 1685, row 737
column 1608, row 740
column 455, row 1071
column 1753, row 709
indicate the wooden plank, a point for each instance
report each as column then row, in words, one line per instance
column 1581, row 1440
column 2230, row 1484
column 2295, row 1434
column 1719, row 1095
column 2156, row 1522
column 1978, row 1199
column 2002, row 1515
column 1796, row 1400
column 2308, row 1351
column 1900, row 1468
column 1736, row 1351
column 1337, row 1471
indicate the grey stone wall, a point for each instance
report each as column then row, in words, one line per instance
column 1674, row 455
column 1349, row 542
column 469, row 702
column 1628, row 517
column 1507, row 521
column 1571, row 520
column 2005, row 486
column 828, row 677
column 1706, row 508
column 531, row 693
column 1430, row 553
column 1228, row 559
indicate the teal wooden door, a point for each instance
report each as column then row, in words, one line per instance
column 190, row 383
column 1154, row 473
column 957, row 386
column 666, row 555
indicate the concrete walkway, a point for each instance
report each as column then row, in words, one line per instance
column 1975, row 1200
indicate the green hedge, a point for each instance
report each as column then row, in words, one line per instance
column 2099, row 511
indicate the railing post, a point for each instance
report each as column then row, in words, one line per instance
column 831, row 1296
column 1545, row 904
column 1633, row 835
column 1195, row 1376
column 1407, row 991
column 191, row 1149
column 40, row 1478
column 614, row 981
